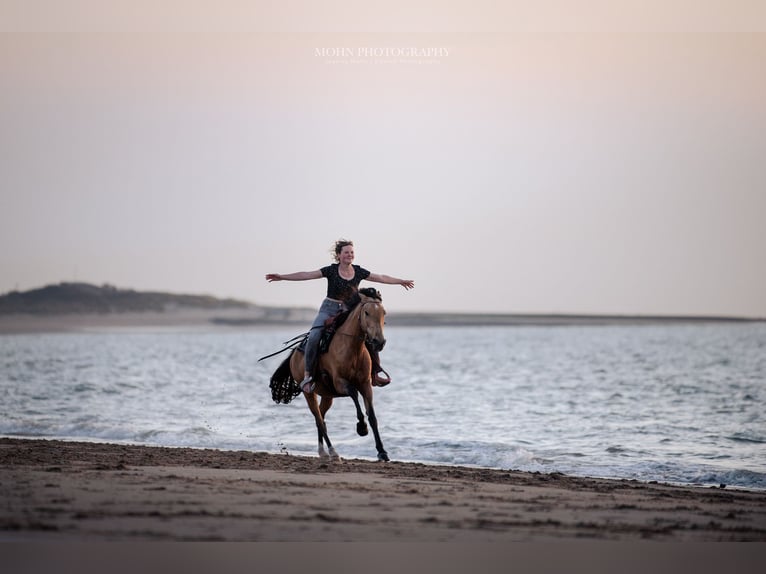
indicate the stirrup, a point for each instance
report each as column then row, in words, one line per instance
column 378, row 381
column 308, row 382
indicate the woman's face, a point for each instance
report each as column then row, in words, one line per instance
column 346, row 254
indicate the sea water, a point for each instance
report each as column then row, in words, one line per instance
column 677, row 403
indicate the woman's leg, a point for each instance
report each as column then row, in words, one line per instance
column 380, row 378
column 312, row 345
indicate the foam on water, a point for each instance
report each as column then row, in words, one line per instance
column 672, row 403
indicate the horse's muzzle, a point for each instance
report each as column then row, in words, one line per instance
column 377, row 344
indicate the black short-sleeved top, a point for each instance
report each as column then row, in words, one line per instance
column 338, row 287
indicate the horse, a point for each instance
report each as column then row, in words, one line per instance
column 345, row 370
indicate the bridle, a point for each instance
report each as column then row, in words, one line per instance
column 363, row 336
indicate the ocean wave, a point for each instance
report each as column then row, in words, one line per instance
column 576, row 402
column 747, row 438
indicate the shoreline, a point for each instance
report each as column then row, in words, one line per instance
column 371, row 460
column 61, row 490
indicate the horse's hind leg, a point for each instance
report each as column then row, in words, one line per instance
column 322, row 437
column 324, row 406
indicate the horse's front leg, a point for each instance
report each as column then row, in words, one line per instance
column 361, row 426
column 367, row 396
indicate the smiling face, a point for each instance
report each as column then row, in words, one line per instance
column 346, row 255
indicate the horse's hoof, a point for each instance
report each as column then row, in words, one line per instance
column 323, row 455
column 361, row 429
column 334, row 456
column 383, row 456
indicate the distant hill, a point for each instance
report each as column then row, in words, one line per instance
column 114, row 306
column 87, row 298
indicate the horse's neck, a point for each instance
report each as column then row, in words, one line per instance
column 352, row 328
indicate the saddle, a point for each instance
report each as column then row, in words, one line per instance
column 331, row 327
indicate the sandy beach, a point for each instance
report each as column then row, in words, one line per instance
column 58, row 491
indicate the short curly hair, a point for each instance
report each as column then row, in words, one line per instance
column 338, row 247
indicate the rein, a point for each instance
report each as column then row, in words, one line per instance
column 290, row 345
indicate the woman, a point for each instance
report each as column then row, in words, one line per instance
column 343, row 278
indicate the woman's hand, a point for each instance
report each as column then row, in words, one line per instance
column 273, row 277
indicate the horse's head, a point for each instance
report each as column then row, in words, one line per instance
column 372, row 318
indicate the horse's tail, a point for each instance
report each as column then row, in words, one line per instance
column 283, row 386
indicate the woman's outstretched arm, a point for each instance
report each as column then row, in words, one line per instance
column 297, row 276
column 388, row 280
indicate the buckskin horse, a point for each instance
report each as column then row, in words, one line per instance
column 345, row 370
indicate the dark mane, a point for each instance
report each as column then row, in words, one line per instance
column 370, row 292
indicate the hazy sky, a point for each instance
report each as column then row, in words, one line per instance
column 506, row 161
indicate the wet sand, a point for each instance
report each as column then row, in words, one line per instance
column 63, row 491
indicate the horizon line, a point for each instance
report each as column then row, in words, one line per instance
column 458, row 314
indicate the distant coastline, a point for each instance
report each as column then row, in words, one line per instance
column 489, row 319
column 81, row 306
